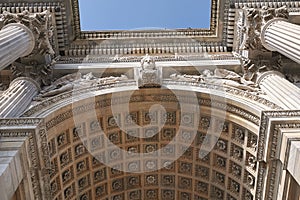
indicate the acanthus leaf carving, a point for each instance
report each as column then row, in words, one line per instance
column 251, row 23
column 38, row 23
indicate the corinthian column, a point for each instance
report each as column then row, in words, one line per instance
column 16, row 40
column 268, row 28
column 23, row 34
column 15, row 100
column 279, row 90
column 282, row 36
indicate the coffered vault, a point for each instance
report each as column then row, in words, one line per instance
column 149, row 114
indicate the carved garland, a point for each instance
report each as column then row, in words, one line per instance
column 46, row 165
column 20, row 122
column 34, row 167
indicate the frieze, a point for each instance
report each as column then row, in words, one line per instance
column 59, row 98
column 71, row 94
column 160, row 58
column 32, row 122
column 234, row 91
column 8, row 133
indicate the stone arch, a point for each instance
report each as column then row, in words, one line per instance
column 230, row 170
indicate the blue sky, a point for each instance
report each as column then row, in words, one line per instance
column 142, row 14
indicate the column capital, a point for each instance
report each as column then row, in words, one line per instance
column 256, row 20
column 38, row 23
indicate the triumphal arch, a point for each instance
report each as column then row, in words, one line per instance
column 188, row 114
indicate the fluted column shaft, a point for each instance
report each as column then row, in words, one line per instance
column 282, row 36
column 16, row 40
column 279, row 90
column 15, row 100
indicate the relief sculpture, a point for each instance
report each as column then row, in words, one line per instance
column 219, row 77
column 76, row 81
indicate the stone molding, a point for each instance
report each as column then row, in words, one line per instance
column 266, row 121
column 74, row 46
column 67, row 95
column 270, row 125
column 15, row 122
column 215, row 7
column 160, row 36
column 37, row 149
column 163, row 58
column 272, row 4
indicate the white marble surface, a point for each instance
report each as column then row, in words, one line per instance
column 294, row 160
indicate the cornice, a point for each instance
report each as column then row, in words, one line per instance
column 68, row 37
column 259, row 4
column 213, row 39
column 178, row 33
